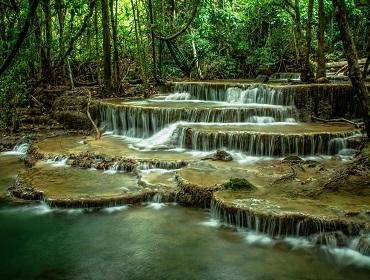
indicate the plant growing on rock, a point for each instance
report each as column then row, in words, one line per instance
column 239, row 184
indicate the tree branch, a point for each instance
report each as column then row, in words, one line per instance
column 182, row 30
column 21, row 37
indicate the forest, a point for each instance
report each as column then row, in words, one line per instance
column 178, row 139
column 111, row 43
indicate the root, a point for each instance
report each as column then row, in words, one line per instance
column 98, row 133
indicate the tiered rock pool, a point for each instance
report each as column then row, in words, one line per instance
column 118, row 207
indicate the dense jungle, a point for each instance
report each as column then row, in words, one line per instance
column 173, row 139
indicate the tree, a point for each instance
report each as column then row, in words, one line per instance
column 306, row 71
column 321, row 65
column 21, row 37
column 106, row 47
column 352, row 58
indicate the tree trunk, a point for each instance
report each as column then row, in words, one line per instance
column 106, row 47
column 298, row 31
column 116, row 73
column 48, row 37
column 306, row 72
column 38, row 44
column 321, row 63
column 60, row 6
column 98, row 62
column 366, row 66
column 153, row 40
column 21, row 37
column 352, row 57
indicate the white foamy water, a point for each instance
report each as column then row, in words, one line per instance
column 17, row 150
column 259, row 239
column 346, row 256
column 114, row 169
column 156, row 205
column 57, row 162
column 179, row 96
column 211, row 223
column 114, row 209
column 43, row 209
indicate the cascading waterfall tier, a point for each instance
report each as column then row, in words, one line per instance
column 243, row 94
column 268, row 140
column 268, row 217
column 142, row 120
column 221, row 106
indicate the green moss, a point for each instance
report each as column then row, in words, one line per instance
column 239, row 184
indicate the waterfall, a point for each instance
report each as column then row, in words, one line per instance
column 260, row 144
column 173, row 121
column 270, row 221
column 244, row 94
column 21, row 149
column 143, row 122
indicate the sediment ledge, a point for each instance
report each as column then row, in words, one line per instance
column 25, row 190
column 191, row 194
column 103, row 162
column 279, row 219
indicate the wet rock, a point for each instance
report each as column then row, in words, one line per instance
column 262, row 79
column 21, row 191
column 363, row 245
column 220, row 155
column 292, row 159
column 271, row 220
column 336, row 157
column 99, row 202
column 322, row 80
column 239, row 184
column 336, row 239
column 194, row 195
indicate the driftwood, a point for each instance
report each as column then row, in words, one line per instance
column 341, row 69
column 98, row 133
column 341, row 120
column 340, row 64
column 286, row 177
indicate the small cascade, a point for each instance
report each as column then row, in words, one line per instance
column 243, row 94
column 21, row 149
column 170, row 122
column 264, row 144
column 270, row 221
column 143, row 122
column 157, row 198
column 113, row 169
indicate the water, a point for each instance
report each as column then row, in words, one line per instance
column 140, row 243
column 178, row 120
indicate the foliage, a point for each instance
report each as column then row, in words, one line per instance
column 239, row 184
column 233, row 39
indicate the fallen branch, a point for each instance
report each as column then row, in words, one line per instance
column 341, row 120
column 341, row 69
column 286, row 177
column 98, row 133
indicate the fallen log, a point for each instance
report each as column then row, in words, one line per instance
column 341, row 120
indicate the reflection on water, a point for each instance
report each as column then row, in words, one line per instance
column 140, row 243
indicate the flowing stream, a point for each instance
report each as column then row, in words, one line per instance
column 158, row 240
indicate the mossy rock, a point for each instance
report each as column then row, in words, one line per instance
column 293, row 159
column 239, row 184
